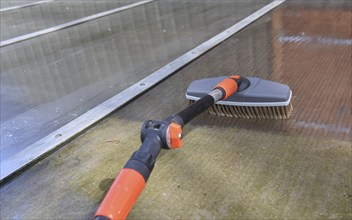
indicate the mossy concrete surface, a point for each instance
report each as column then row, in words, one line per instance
column 220, row 173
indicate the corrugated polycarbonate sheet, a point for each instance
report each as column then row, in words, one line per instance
column 37, row 28
column 27, row 20
column 10, row 3
column 50, row 80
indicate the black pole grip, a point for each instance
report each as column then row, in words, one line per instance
column 196, row 108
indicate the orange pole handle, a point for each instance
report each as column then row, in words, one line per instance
column 121, row 196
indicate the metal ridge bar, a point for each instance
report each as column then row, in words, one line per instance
column 20, row 160
column 24, row 5
column 70, row 24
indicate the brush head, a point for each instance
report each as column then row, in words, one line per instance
column 255, row 98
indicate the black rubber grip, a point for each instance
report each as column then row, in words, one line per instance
column 196, row 108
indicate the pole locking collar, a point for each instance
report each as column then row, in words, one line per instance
column 174, row 136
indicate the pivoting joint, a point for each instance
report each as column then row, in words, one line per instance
column 169, row 133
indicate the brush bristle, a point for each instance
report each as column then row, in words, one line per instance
column 251, row 112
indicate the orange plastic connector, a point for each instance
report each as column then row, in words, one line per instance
column 175, row 134
column 229, row 85
column 122, row 194
column 235, row 77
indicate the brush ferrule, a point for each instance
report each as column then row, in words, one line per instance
column 217, row 94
